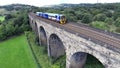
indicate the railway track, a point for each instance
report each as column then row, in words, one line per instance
column 96, row 35
column 86, row 31
column 98, row 30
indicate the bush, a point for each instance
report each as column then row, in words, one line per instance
column 87, row 18
column 109, row 21
column 2, row 32
column 118, row 30
column 117, row 22
column 8, row 16
column 100, row 17
column 100, row 25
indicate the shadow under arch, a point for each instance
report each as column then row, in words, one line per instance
column 93, row 61
column 42, row 37
column 57, row 51
column 84, row 60
column 36, row 29
column 56, row 47
column 31, row 22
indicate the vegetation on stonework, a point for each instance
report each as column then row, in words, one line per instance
column 58, row 62
column 41, row 53
column 41, row 56
column 15, row 53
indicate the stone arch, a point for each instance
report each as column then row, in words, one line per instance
column 56, row 47
column 36, row 29
column 42, row 36
column 82, row 59
column 77, row 60
column 31, row 23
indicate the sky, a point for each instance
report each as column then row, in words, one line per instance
column 40, row 3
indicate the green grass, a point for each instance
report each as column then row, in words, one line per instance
column 2, row 18
column 15, row 53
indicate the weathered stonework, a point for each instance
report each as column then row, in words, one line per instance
column 74, row 43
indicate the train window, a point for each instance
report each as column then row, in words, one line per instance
column 62, row 17
column 56, row 16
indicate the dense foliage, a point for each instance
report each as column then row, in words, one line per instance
column 89, row 13
column 15, row 23
column 41, row 55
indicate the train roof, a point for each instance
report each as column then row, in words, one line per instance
column 39, row 12
column 53, row 14
column 50, row 14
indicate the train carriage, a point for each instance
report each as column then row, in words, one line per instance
column 56, row 17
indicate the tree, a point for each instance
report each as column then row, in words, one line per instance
column 71, row 17
column 79, row 15
column 116, row 15
column 8, row 16
column 109, row 21
column 117, row 22
column 95, row 11
column 100, row 25
column 118, row 29
column 87, row 18
column 108, row 13
column 9, row 29
column 53, row 11
column 100, row 17
column 2, row 32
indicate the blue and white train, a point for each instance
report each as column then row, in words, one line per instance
column 56, row 17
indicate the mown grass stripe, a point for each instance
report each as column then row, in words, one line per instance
column 15, row 53
column 38, row 65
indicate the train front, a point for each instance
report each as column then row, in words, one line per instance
column 63, row 19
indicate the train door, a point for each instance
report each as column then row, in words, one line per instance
column 58, row 18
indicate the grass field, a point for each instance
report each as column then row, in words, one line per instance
column 2, row 18
column 15, row 53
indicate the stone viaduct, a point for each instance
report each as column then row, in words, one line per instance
column 61, row 41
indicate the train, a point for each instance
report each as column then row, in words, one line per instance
column 60, row 18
